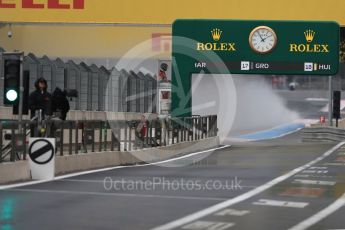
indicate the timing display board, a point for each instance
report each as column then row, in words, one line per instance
column 260, row 47
column 250, row 47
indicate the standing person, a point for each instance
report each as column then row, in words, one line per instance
column 40, row 99
column 162, row 73
column 142, row 128
column 60, row 104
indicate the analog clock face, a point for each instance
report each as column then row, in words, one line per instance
column 262, row 39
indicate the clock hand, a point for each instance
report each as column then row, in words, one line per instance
column 262, row 40
column 266, row 38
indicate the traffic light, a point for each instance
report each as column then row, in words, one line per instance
column 336, row 104
column 11, row 73
column 25, row 101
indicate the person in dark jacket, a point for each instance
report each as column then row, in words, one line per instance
column 60, row 104
column 40, row 99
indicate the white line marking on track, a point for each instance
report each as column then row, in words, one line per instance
column 315, row 171
column 232, row 212
column 280, row 203
column 116, row 194
column 245, row 196
column 314, row 182
column 4, row 187
column 317, row 167
column 339, row 203
column 313, row 176
column 208, row 225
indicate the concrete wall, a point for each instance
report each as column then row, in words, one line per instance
column 19, row 171
column 14, row 172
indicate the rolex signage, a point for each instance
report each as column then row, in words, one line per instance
column 309, row 46
column 215, row 45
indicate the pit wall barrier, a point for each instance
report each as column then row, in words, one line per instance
column 84, row 145
column 19, row 171
column 87, row 136
column 323, row 134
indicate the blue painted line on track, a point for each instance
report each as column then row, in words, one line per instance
column 276, row 132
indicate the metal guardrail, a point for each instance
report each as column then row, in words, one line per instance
column 79, row 137
column 331, row 134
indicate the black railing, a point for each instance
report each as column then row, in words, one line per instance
column 78, row 137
